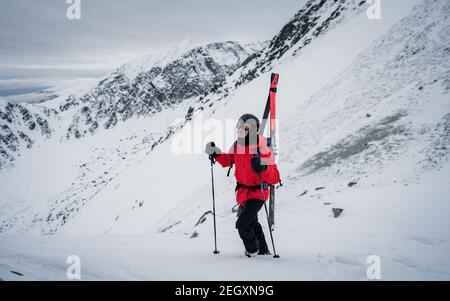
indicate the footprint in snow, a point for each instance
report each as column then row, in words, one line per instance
column 421, row 239
column 408, row 262
column 346, row 261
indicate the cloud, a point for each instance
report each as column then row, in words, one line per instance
column 59, row 67
column 37, row 83
column 16, row 83
column 37, row 39
column 33, row 90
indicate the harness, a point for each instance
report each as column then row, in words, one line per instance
column 232, row 164
column 256, row 187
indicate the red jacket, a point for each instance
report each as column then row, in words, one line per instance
column 244, row 172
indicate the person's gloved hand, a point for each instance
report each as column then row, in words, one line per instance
column 212, row 150
column 258, row 165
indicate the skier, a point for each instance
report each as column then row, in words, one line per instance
column 254, row 162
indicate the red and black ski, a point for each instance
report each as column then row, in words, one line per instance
column 270, row 111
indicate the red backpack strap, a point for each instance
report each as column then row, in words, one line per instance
column 234, row 153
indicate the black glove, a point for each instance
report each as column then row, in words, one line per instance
column 212, row 150
column 257, row 165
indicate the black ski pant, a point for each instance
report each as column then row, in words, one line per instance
column 249, row 228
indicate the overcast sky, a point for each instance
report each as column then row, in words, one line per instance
column 38, row 41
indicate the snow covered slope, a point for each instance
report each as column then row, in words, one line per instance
column 364, row 117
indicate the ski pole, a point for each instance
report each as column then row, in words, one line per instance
column 214, row 206
column 275, row 255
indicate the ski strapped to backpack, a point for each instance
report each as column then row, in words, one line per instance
column 271, row 141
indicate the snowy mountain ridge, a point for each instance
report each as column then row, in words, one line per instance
column 314, row 20
column 136, row 89
column 168, row 83
column 21, row 125
column 159, row 59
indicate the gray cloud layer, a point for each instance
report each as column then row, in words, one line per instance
column 38, row 41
